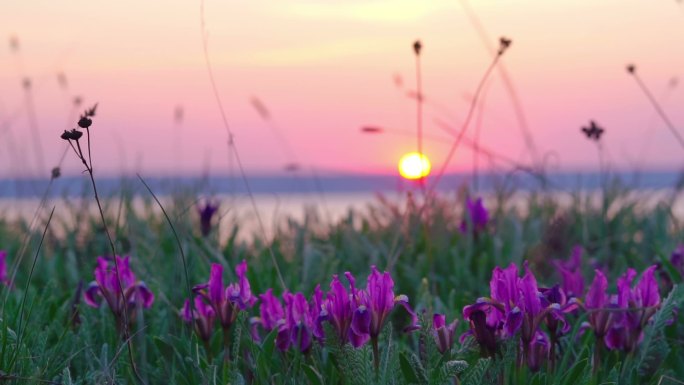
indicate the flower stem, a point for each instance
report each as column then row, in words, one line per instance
column 226, row 345
column 376, row 354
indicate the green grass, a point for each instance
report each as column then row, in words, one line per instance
column 431, row 261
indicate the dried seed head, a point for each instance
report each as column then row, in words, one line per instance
column 91, row 112
column 593, row 132
column 74, row 134
column 26, row 83
column 178, row 113
column 631, row 68
column 62, row 80
column 84, row 122
column 14, row 43
column 56, row 173
column 504, row 43
column 77, row 101
column 417, row 46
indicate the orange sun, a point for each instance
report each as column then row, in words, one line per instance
column 414, row 165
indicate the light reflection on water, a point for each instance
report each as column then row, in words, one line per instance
column 276, row 209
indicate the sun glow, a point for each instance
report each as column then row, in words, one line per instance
column 414, row 165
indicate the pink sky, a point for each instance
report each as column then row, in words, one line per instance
column 326, row 68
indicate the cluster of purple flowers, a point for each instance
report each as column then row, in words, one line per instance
column 122, row 291
column 214, row 300
column 518, row 307
column 356, row 315
column 618, row 320
column 537, row 316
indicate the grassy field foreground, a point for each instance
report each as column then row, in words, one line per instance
column 426, row 291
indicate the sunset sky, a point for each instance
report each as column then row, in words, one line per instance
column 326, row 68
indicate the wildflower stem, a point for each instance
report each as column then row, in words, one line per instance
column 467, row 120
column 658, row 109
column 28, row 282
column 226, row 344
column 180, row 247
column 207, row 349
column 376, row 354
column 233, row 147
column 598, row 347
column 124, row 307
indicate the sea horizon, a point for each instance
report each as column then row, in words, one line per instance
column 302, row 183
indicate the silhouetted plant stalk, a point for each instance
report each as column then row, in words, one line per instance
column 180, row 249
column 594, row 132
column 74, row 136
column 233, row 147
column 510, row 88
column 22, row 328
column 631, row 69
column 504, row 44
column 417, row 47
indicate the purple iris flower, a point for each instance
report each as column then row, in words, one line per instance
column 206, row 213
column 372, row 305
column 3, row 268
column 517, row 304
column 477, row 216
column 270, row 313
column 298, row 323
column 443, row 333
column 555, row 297
column 485, row 334
column 227, row 301
column 571, row 273
column 487, row 316
column 596, row 301
column 203, row 315
column 106, row 285
column 298, row 328
column 337, row 309
column 538, row 351
column 640, row 303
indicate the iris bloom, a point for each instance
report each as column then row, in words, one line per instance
column 3, row 268
column 106, row 285
column 516, row 304
column 337, row 309
column 443, row 333
column 477, row 216
column 301, row 323
column 372, row 305
column 298, row 323
column 206, row 213
column 227, row 301
column 571, row 273
column 203, row 315
column 596, row 302
column 270, row 313
column 538, row 351
column 640, row 303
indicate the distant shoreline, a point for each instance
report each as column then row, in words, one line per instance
column 300, row 182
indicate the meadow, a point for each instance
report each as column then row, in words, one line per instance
column 459, row 286
column 425, row 290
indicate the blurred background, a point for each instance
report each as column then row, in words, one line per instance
column 322, row 70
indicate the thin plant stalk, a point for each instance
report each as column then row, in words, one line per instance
column 89, row 169
column 508, row 84
column 632, row 70
column 467, row 120
column 180, row 248
column 232, row 146
column 22, row 328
